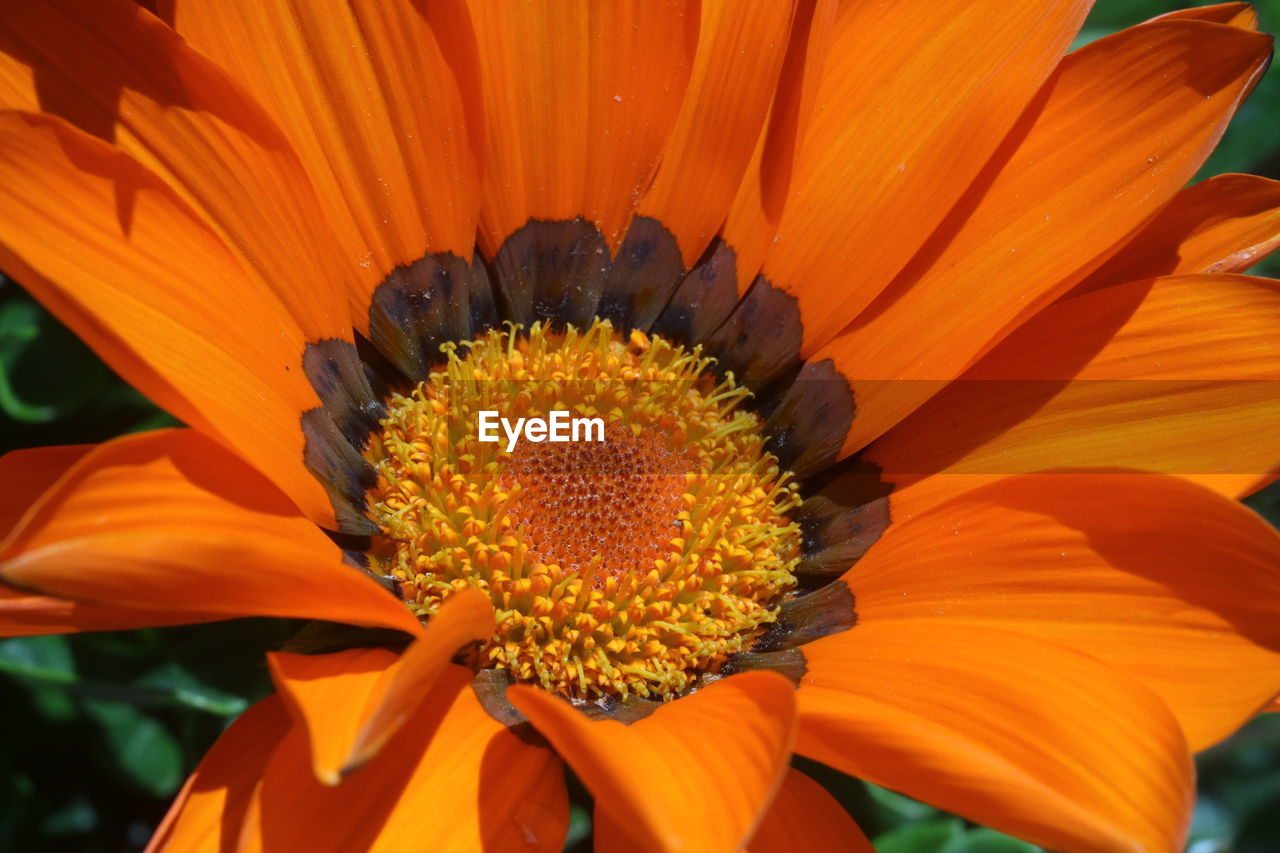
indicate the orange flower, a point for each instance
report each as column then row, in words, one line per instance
column 953, row 509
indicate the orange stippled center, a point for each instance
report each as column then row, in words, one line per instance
column 624, row 567
column 598, row 508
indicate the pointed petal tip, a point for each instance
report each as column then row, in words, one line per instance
column 655, row 774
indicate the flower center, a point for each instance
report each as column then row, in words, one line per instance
column 625, row 567
column 601, row 509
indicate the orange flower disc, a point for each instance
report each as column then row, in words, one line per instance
column 600, row 508
column 625, row 567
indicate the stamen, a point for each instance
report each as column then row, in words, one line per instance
column 628, row 567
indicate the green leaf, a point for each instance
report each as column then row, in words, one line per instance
column 893, row 808
column 983, row 840
column 142, row 747
column 175, row 684
column 927, row 837
column 52, row 701
column 948, row 836
column 76, row 817
column 19, row 326
column 579, row 826
column 44, row 658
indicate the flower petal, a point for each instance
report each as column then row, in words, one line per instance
column 880, row 164
column 1236, row 14
column 1167, row 582
column 23, row 614
column 757, row 208
column 169, row 520
column 655, row 777
column 465, row 617
column 112, row 69
column 1176, row 375
column 317, row 690
column 396, row 684
column 1127, row 120
column 131, row 271
column 1007, row 730
column 1225, row 224
column 28, row 474
column 579, row 99
column 370, row 103
column 805, row 817
column 207, row 812
column 735, row 72
column 455, row 776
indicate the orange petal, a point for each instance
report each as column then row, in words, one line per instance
column 1225, row 224
column 1031, row 738
column 369, row 102
column 1115, row 133
column 656, row 778
column 895, row 143
column 207, row 812
column 112, row 69
column 396, row 684
column 465, row 617
column 740, row 51
column 132, row 273
column 320, row 692
column 579, row 99
column 27, row 474
column 1236, row 14
column 805, row 817
column 1176, row 375
column 171, row 521
column 757, row 208
column 455, row 776
column 1167, row 582
column 23, row 614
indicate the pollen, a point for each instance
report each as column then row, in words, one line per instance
column 632, row 566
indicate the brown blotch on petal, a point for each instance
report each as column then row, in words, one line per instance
column 806, row 428
column 356, row 559
column 703, row 299
column 842, row 520
column 341, row 470
column 801, row 620
column 482, row 300
column 387, row 582
column 760, row 340
column 788, row 662
column 641, row 277
column 552, row 271
column 420, row 306
column 339, row 377
column 490, row 687
column 625, row 711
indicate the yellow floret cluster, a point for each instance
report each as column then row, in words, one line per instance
column 628, row 567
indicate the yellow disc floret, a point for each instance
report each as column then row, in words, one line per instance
column 624, row 567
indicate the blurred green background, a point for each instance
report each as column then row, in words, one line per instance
column 100, row 730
